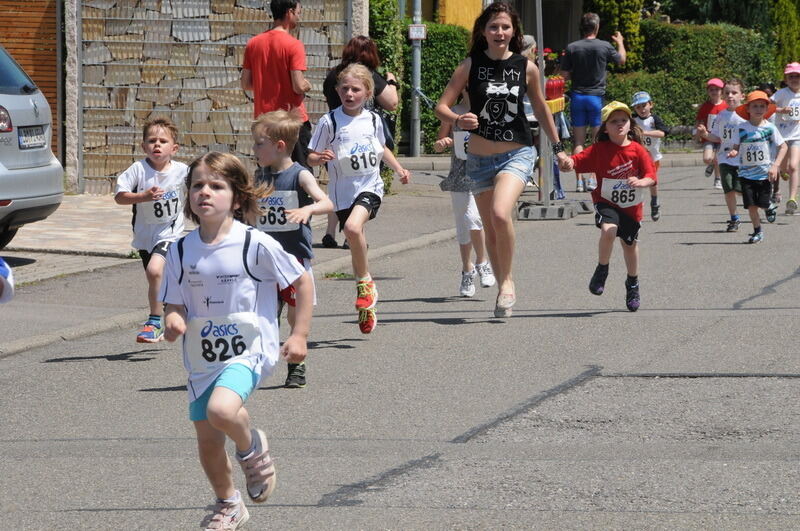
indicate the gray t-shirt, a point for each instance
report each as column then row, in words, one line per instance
column 586, row 61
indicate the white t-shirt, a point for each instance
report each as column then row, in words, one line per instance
column 758, row 147
column 651, row 143
column 226, row 308
column 358, row 142
column 155, row 221
column 726, row 127
column 788, row 124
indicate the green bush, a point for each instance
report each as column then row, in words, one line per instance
column 697, row 53
column 672, row 98
column 386, row 29
column 623, row 16
column 785, row 16
column 445, row 47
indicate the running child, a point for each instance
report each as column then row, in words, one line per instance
column 154, row 186
column 624, row 167
column 351, row 140
column 760, row 148
column 787, row 118
column 469, row 227
column 706, row 115
column 6, row 282
column 286, row 213
column 653, row 130
column 726, row 133
column 219, row 289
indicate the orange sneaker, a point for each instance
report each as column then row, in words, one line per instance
column 367, row 295
column 367, row 320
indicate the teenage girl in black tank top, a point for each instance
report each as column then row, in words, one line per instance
column 498, row 127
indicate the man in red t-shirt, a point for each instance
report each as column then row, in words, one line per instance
column 274, row 63
column 706, row 115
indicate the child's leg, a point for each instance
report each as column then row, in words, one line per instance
column 155, row 273
column 631, row 254
column 354, row 232
column 730, row 202
column 214, row 459
column 227, row 414
column 793, row 168
column 708, row 154
column 332, row 221
column 755, row 218
column 608, row 233
column 460, row 202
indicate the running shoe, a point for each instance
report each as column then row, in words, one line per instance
column 655, row 212
column 486, row 274
column 503, row 306
column 296, row 376
column 367, row 320
column 756, row 237
column 597, row 284
column 791, row 206
column 733, row 225
column 150, row 333
column 367, row 295
column 717, row 183
column 579, row 186
column 632, row 296
column 591, row 184
column 227, row 516
column 329, row 242
column 467, row 288
column 258, row 468
column 784, row 176
column 772, row 213
column 709, row 170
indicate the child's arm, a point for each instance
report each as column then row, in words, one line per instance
column 774, row 169
column 174, row 321
column 391, row 161
column 321, row 205
column 130, row 198
column 704, row 134
column 734, row 152
column 443, row 140
column 645, row 182
column 317, row 159
column 295, row 348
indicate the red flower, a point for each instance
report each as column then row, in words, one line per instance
column 547, row 50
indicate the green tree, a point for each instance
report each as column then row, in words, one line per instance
column 623, row 16
column 785, row 16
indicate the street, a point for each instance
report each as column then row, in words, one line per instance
column 572, row 414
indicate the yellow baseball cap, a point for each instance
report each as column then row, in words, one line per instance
column 606, row 111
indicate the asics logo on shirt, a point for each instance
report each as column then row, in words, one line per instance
column 169, row 195
column 360, row 148
column 223, row 330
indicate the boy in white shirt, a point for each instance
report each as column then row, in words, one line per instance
column 787, row 118
column 155, row 187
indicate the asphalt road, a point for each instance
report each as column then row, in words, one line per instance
column 573, row 414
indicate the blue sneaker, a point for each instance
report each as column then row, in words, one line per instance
column 756, row 237
column 150, row 333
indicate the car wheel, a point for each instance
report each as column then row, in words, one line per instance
column 6, row 236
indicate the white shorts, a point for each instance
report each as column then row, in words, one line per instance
column 466, row 214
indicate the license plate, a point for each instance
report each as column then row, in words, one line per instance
column 31, row 137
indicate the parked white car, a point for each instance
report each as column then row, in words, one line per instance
column 31, row 178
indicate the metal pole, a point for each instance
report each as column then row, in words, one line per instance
column 416, row 78
column 545, row 147
column 401, row 4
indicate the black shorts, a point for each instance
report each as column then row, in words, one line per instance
column 729, row 175
column 627, row 228
column 300, row 151
column 368, row 200
column 160, row 249
column 756, row 193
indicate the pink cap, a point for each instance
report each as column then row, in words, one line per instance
column 715, row 82
column 792, row 68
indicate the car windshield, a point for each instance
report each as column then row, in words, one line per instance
column 13, row 80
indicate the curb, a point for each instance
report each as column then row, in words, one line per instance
column 128, row 319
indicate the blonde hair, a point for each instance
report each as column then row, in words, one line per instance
column 245, row 191
column 359, row 72
column 162, row 122
column 279, row 125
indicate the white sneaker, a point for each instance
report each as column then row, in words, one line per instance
column 591, row 185
column 467, row 288
column 486, row 274
column 579, row 187
column 718, row 183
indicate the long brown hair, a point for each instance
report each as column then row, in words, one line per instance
column 479, row 43
column 245, row 192
column 361, row 49
column 634, row 134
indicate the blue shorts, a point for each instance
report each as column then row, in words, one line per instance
column 585, row 109
column 236, row 377
column 483, row 169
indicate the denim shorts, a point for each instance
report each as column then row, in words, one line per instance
column 483, row 169
column 237, row 377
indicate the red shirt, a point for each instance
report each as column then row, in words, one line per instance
column 270, row 56
column 706, row 109
column 612, row 162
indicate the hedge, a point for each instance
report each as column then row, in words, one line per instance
column 386, row 29
column 446, row 46
column 672, row 97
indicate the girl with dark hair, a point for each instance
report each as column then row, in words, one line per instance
column 500, row 157
column 361, row 49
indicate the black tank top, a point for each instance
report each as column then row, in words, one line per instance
column 496, row 89
column 296, row 242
